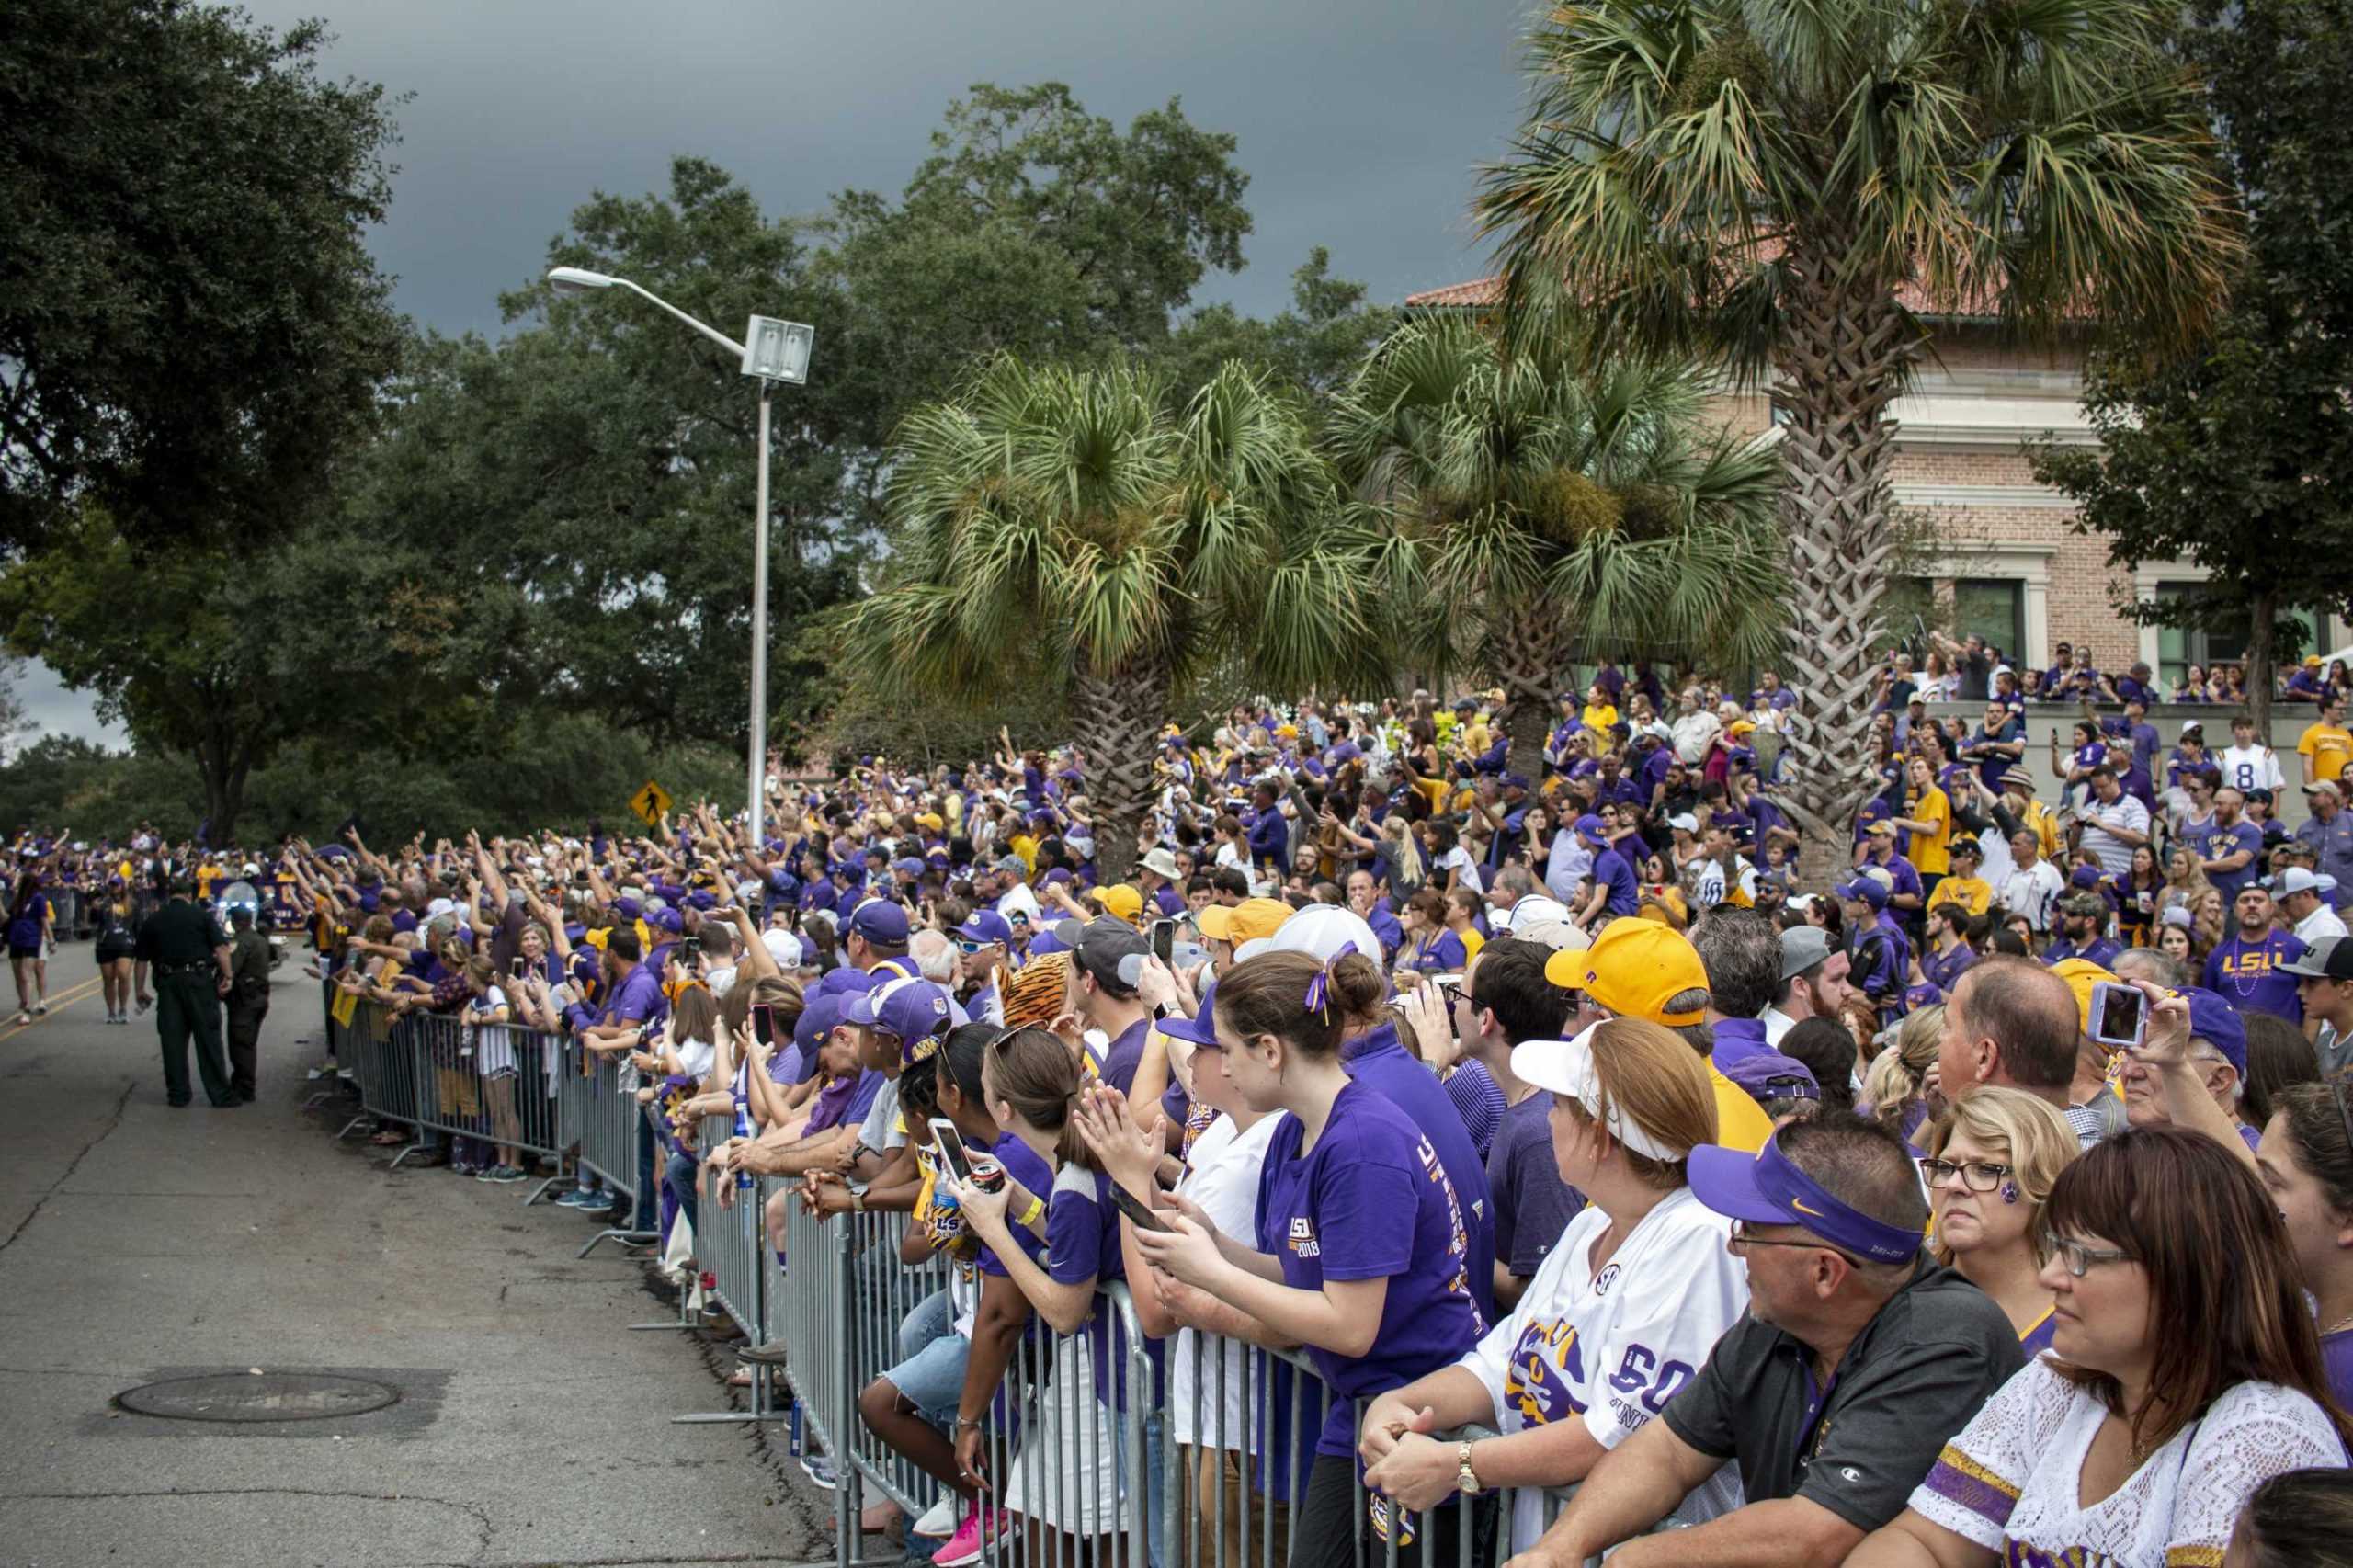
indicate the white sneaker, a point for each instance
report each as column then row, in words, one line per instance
column 40, row 1009
column 939, row 1519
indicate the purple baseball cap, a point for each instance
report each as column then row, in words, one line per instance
column 1197, row 1028
column 985, row 925
column 1769, row 1075
column 1764, row 1188
column 878, row 920
column 2217, row 1023
column 818, row 1019
column 843, row 982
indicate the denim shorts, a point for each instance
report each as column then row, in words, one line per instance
column 930, row 1373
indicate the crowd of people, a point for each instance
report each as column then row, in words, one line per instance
column 1542, row 1105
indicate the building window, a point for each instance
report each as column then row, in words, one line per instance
column 1994, row 608
column 2180, row 647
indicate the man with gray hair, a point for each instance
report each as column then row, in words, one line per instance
column 934, row 952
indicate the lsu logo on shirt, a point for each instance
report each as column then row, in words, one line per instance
column 1302, row 1241
column 1545, row 1367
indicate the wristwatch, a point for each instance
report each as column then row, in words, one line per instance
column 1466, row 1479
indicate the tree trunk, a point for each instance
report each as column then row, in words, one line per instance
column 1526, row 657
column 1117, row 720
column 2262, row 610
column 1840, row 362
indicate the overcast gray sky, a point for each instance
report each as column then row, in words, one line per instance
column 1361, row 121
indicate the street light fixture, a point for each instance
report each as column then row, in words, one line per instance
column 772, row 351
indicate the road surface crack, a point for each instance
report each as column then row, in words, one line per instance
column 113, row 1121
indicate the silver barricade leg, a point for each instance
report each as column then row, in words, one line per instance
column 618, row 1122
column 728, row 1239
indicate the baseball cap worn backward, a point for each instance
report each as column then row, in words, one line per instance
column 1802, row 947
column 1099, row 944
column 1633, row 969
column 1123, row 901
column 1764, row 1188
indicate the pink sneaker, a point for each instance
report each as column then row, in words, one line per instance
column 964, row 1546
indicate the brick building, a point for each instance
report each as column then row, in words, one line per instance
column 2000, row 555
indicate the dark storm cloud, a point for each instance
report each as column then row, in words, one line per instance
column 1361, row 121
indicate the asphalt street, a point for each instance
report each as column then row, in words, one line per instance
column 140, row 1242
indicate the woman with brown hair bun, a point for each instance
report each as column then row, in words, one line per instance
column 2185, row 1374
column 1361, row 1254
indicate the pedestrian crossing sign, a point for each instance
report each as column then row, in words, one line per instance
column 650, row 802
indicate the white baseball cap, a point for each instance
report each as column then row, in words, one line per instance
column 2295, row 879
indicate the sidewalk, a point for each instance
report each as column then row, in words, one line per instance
column 140, row 1242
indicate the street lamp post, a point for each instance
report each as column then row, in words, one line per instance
column 772, row 351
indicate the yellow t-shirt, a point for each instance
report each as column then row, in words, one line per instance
column 1471, row 943
column 1021, row 844
column 1932, row 852
column 1602, row 718
column 1741, row 1122
column 1474, row 737
column 1973, row 894
column 2331, row 748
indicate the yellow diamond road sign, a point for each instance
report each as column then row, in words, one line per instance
column 650, row 802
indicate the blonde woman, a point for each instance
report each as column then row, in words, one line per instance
column 1897, row 1093
column 1990, row 1163
column 2186, row 881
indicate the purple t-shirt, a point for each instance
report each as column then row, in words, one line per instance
column 1371, row 1201
column 2246, row 974
column 1022, row 1163
column 1533, row 1205
column 2337, row 1361
column 1125, row 1054
column 1376, row 1060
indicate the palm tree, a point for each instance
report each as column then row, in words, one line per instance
column 1055, row 517
column 1542, row 504
column 1762, row 180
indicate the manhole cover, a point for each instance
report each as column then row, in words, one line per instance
column 272, row 1396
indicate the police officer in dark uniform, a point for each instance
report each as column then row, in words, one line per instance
column 249, row 998
column 183, row 944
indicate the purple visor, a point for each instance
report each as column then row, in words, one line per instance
column 1767, row 1190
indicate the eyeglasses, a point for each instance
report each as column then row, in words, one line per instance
column 965, row 945
column 1741, row 1237
column 1977, row 1175
column 2079, row 1257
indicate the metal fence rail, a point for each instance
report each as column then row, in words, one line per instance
column 1102, row 1449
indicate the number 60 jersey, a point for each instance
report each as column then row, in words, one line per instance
column 1612, row 1348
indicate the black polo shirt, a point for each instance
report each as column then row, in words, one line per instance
column 1934, row 1354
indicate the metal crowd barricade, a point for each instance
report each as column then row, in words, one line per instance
column 1103, row 1447
column 486, row 1083
column 608, row 1134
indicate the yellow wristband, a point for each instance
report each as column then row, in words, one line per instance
column 1036, row 1206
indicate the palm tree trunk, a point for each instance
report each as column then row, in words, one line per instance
column 1525, row 658
column 1841, row 361
column 1117, row 719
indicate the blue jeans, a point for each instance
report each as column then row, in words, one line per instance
column 930, row 1370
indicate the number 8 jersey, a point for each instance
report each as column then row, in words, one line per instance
column 1612, row 1348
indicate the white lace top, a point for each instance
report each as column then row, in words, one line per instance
column 2010, row 1481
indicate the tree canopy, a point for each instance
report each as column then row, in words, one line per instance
column 2234, row 455
column 191, row 327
